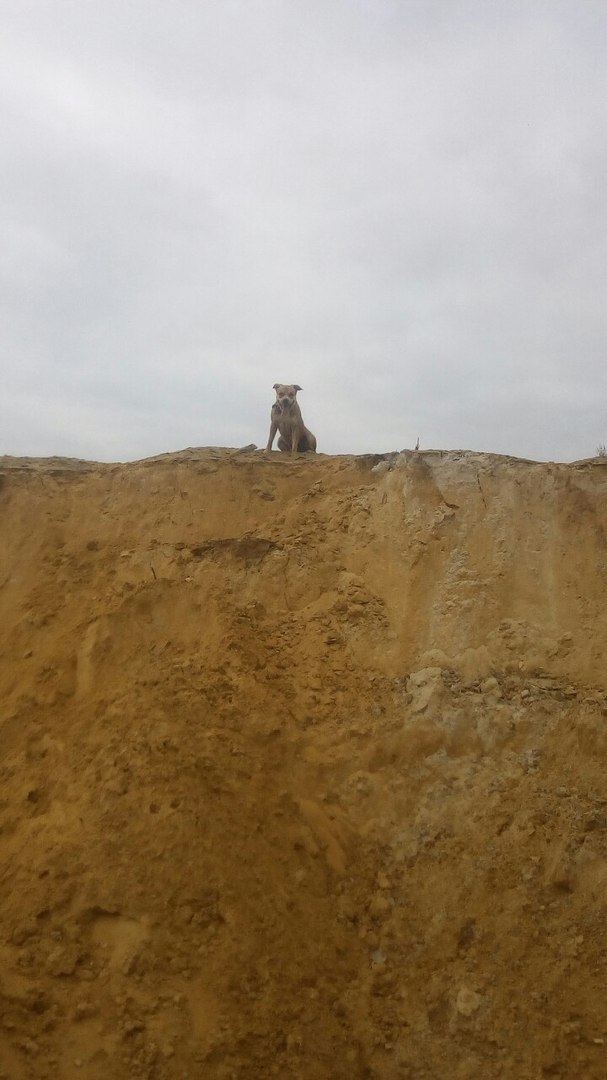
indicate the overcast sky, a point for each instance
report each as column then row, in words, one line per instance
column 398, row 204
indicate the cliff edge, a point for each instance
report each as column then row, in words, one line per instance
column 303, row 767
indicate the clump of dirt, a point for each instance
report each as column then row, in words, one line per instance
column 303, row 767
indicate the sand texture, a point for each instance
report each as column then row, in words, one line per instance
column 303, row 768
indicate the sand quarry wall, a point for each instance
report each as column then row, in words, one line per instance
column 303, row 768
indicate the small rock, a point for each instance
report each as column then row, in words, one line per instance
column 133, row 1027
column 379, row 906
column 84, row 1010
column 30, row 1047
column 491, row 686
column 467, row 1001
column 62, row 961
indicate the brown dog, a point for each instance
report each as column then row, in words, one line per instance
column 287, row 419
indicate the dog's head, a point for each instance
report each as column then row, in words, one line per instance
column 286, row 395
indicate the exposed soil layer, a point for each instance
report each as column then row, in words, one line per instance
column 304, row 768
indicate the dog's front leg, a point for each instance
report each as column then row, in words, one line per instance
column 295, row 439
column 273, row 430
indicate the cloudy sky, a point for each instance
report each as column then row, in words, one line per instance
column 398, row 204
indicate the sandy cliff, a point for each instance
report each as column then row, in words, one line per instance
column 303, row 768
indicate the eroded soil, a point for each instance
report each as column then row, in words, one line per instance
column 303, row 768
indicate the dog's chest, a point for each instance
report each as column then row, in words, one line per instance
column 286, row 419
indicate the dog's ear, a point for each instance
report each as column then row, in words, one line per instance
column 276, row 385
column 295, row 387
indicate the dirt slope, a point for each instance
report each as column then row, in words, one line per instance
column 303, row 768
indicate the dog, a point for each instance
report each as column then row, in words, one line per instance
column 286, row 418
